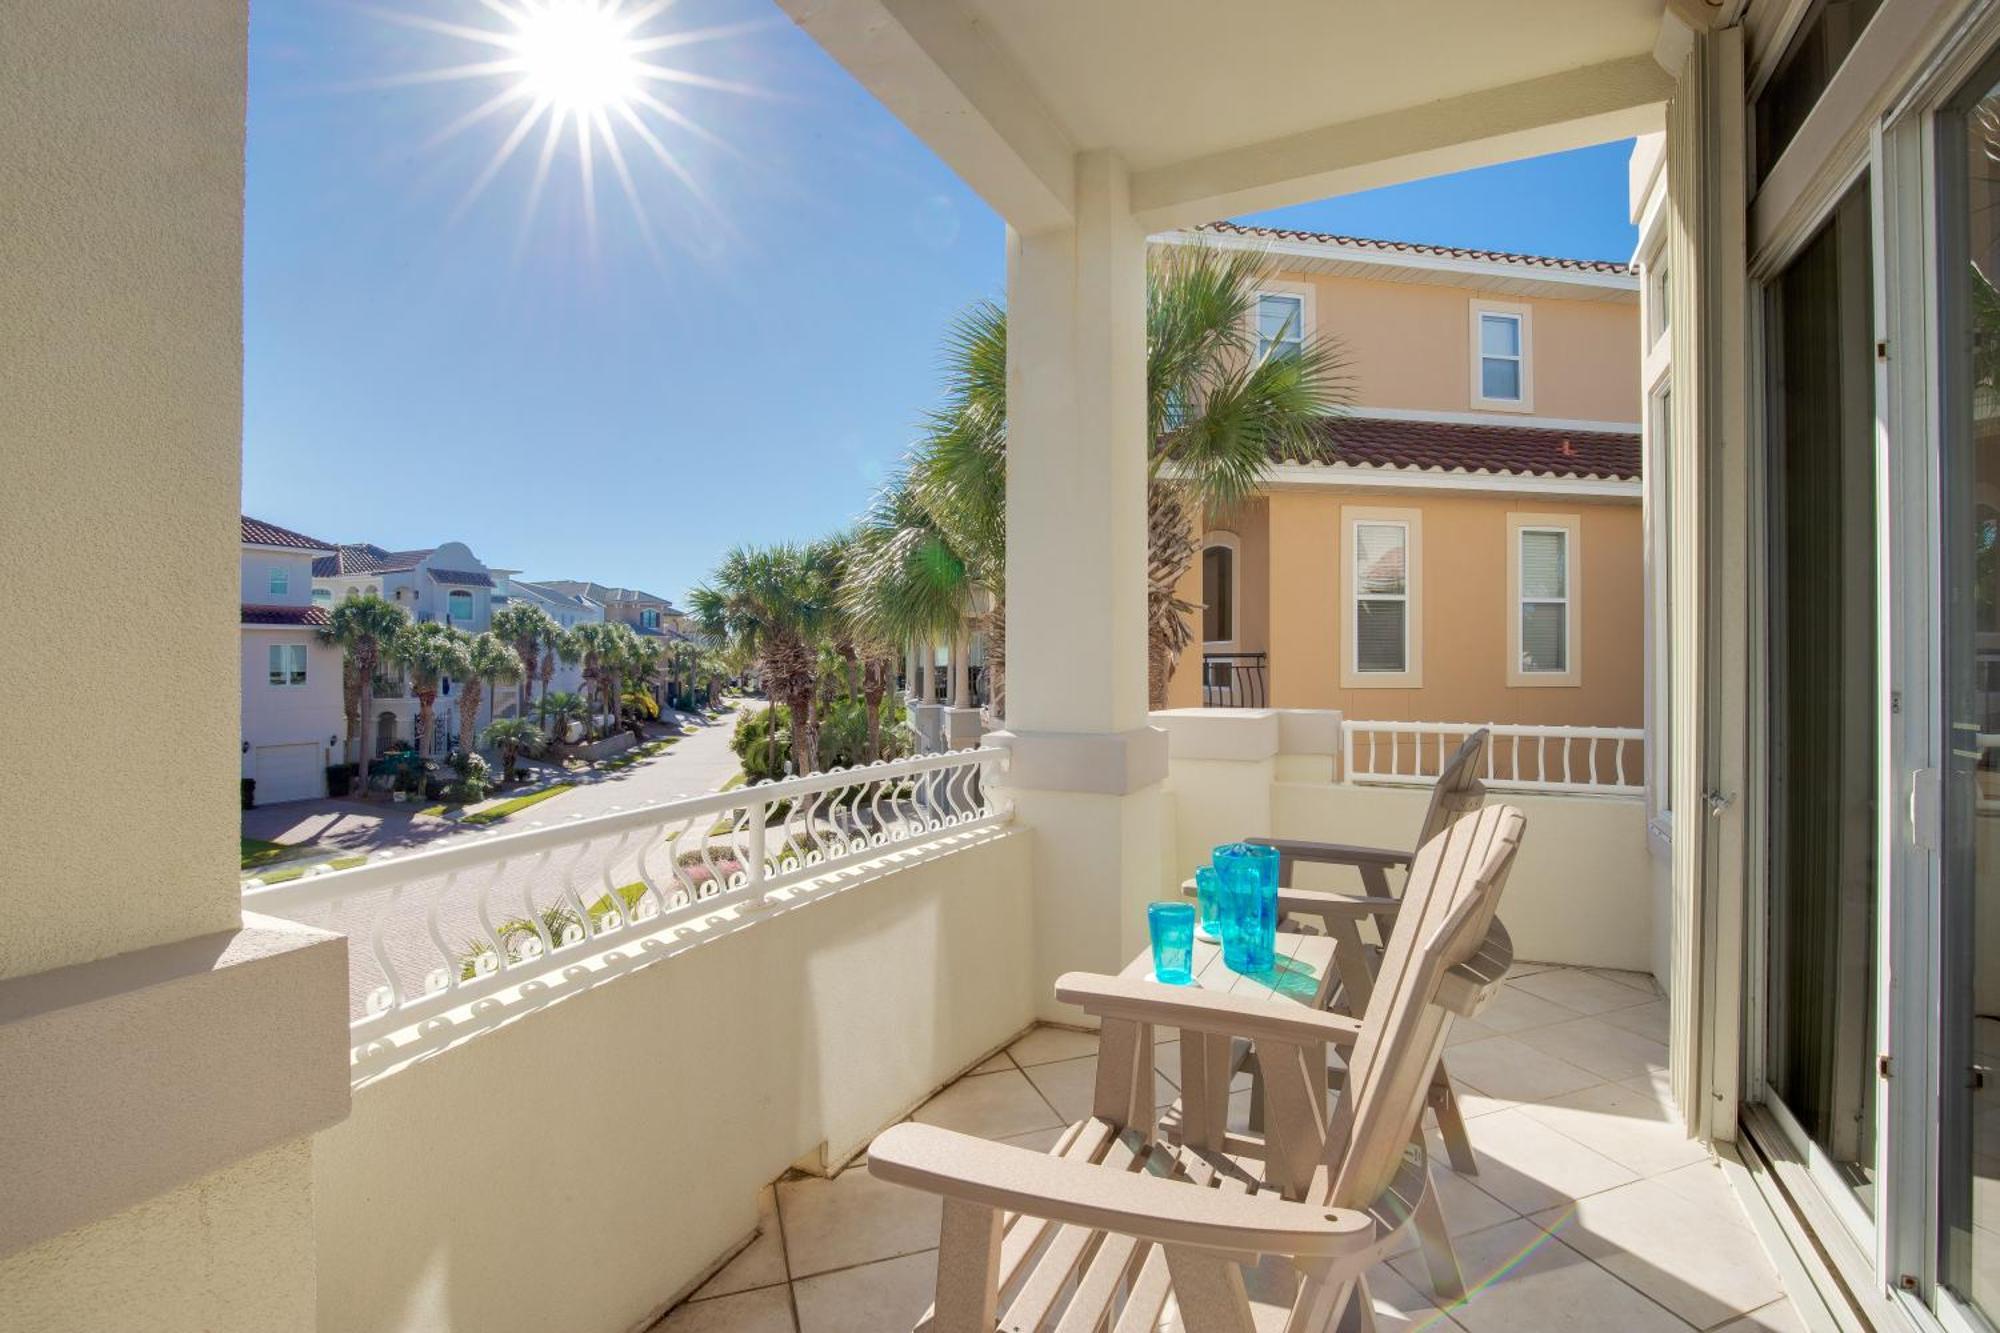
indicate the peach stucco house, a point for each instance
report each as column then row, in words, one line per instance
column 1471, row 548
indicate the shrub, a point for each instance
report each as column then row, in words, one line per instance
column 474, row 778
column 843, row 737
column 249, row 793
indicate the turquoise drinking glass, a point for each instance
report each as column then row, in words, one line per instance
column 1172, row 928
column 1249, row 898
column 1208, row 895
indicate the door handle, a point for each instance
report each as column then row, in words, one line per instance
column 1717, row 802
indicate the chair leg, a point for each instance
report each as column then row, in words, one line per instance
column 1451, row 1125
column 1439, row 1257
column 968, row 1280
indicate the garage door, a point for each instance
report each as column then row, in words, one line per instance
column 289, row 773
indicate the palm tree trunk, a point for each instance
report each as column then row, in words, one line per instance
column 1170, row 552
column 366, row 728
column 468, row 714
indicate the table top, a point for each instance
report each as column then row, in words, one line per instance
column 1304, row 971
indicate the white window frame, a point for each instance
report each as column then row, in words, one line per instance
column 278, row 660
column 1570, row 526
column 1302, row 292
column 324, row 596
column 279, row 581
column 1230, row 542
column 1412, row 674
column 1524, row 316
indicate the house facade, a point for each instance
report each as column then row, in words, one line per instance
column 1470, row 546
column 646, row 613
column 292, row 715
column 447, row 584
column 568, row 610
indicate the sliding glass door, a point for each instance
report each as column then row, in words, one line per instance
column 1819, row 1046
column 1969, row 1000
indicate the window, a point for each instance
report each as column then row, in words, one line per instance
column 281, row 580
column 1382, row 583
column 1502, row 373
column 1542, row 570
column 649, row 619
column 1660, row 289
column 324, row 596
column 458, row 606
column 288, row 664
column 1218, row 589
column 1281, row 324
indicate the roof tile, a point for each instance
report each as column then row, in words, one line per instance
column 257, row 532
column 315, row 617
column 1530, row 451
column 1414, row 248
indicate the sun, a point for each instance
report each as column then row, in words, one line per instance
column 595, row 76
column 577, row 56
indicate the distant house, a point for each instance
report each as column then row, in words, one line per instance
column 293, row 719
column 567, row 609
column 446, row 584
column 647, row 614
column 1469, row 548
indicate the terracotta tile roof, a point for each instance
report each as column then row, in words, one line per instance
column 366, row 558
column 315, row 617
column 1413, row 248
column 469, row 578
column 1529, row 451
column 257, row 532
column 601, row 593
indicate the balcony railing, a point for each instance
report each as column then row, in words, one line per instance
column 1574, row 760
column 443, row 928
column 1234, row 680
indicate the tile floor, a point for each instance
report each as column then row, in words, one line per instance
column 1589, row 1212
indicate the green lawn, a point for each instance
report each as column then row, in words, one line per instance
column 498, row 812
column 290, row 873
column 257, row 852
column 638, row 752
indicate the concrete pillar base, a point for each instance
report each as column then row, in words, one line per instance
column 927, row 720
column 963, row 728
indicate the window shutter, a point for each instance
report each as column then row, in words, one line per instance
column 1544, row 564
column 1378, row 635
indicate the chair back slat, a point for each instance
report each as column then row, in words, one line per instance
column 1458, row 789
column 1448, row 907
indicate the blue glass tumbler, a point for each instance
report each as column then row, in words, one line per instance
column 1208, row 895
column 1172, row 928
column 1249, row 879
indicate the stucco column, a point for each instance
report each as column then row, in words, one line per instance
column 1086, row 768
column 926, row 715
column 963, row 725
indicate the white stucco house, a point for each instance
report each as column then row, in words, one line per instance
column 445, row 583
column 292, row 718
column 565, row 608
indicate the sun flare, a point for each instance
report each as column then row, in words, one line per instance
column 589, row 78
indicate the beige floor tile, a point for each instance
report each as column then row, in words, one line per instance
column 853, row 1219
column 1505, row 1069
column 1658, row 1084
column 1468, row 1029
column 1596, row 1046
column 761, row 1263
column 1585, row 992
column 1467, row 1208
column 1514, row 1010
column 1651, row 1019
column 1638, row 981
column 1401, row 1307
column 1700, row 1261
column 1521, row 1280
column 1630, row 1127
column 1036, row 1140
column 994, row 1065
column 1071, row 1087
column 1528, row 969
column 990, row 1106
column 768, row 1310
column 1045, row 1044
column 1530, row 1167
column 1777, row 1317
column 874, row 1298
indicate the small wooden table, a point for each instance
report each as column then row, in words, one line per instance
column 1294, row 1076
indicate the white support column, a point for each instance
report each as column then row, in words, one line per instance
column 927, row 714
column 962, row 723
column 1086, row 768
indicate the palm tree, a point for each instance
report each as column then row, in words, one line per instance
column 366, row 628
column 559, row 709
column 773, row 603
column 528, row 629
column 596, row 643
column 558, row 645
column 488, row 659
column 430, row 652
column 510, row 736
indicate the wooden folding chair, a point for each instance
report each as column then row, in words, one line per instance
column 1116, row 1231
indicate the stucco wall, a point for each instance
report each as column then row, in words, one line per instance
column 290, row 714
column 579, row 1166
column 121, row 331
column 1409, row 346
column 1465, row 616
column 228, row 1253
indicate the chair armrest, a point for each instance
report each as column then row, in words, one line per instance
column 1149, row 1207
column 1334, row 853
column 1193, row 1009
column 1319, row 902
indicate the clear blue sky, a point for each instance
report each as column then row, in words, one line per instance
column 586, row 403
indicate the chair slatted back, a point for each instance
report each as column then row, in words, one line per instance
column 1458, row 790
column 1448, row 906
